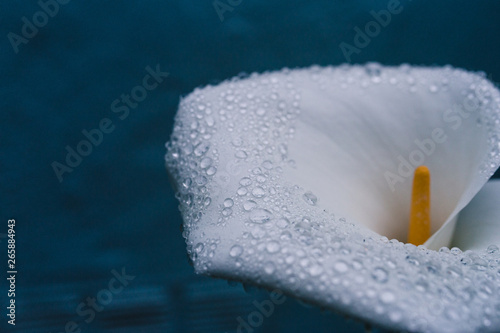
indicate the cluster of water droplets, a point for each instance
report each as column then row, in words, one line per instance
column 243, row 220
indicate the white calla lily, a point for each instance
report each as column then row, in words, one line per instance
column 297, row 179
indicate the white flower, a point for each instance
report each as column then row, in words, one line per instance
column 298, row 179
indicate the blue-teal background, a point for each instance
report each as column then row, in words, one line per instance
column 116, row 209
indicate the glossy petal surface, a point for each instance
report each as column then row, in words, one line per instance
column 283, row 182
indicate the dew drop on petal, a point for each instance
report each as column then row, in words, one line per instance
column 492, row 249
column 186, row 183
column 211, row 171
column 282, row 223
column 205, row 162
column 260, row 215
column 241, row 154
column 242, row 191
column 269, row 268
column 249, row 205
column 235, row 251
column 227, row 211
column 237, row 142
column 267, row 165
column 199, row 248
column 258, row 192
column 201, row 180
column 340, row 266
column 273, row 247
column 310, row 198
column 201, row 149
column 315, row 270
column 387, row 297
column 286, row 235
column 210, row 121
column 245, row 181
column 380, row 275
column 261, row 179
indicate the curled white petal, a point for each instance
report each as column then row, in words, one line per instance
column 479, row 223
column 288, row 179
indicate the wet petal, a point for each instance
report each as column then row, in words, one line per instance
column 479, row 223
column 303, row 157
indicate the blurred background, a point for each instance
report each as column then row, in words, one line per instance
column 107, row 227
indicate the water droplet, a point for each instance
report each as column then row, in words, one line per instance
column 227, row 211
column 412, row 260
column 444, row 249
column 269, row 268
column 290, row 259
column 235, row 251
column 315, row 270
column 201, row 180
column 210, row 121
column 241, row 154
column 310, row 198
column 395, row 316
column 186, row 183
column 267, row 165
column 273, row 247
column 283, row 149
column 373, row 70
column 286, row 235
column 340, row 266
column 260, row 215
column 237, row 142
column 205, row 162
column 387, row 297
column 201, row 149
column 282, row 223
column 380, row 275
column 257, row 171
column 228, row 203
column 258, row 192
column 257, row 232
column 242, row 191
column 249, row 205
column 245, row 181
column 492, row 249
column 260, row 112
column 199, row 248
column 211, row 171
